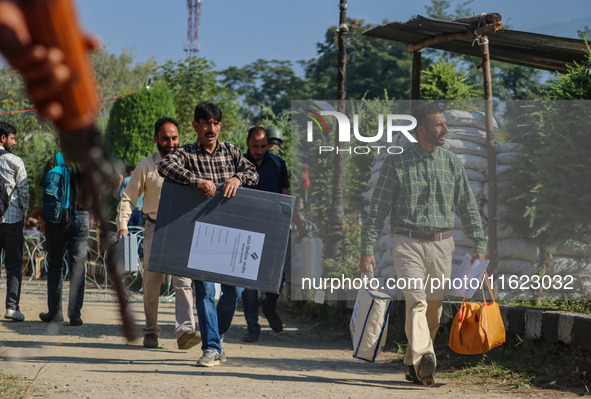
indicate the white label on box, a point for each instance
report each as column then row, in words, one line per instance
column 225, row 250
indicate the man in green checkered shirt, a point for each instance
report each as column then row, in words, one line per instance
column 421, row 190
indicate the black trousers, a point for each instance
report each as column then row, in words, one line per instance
column 12, row 242
column 72, row 236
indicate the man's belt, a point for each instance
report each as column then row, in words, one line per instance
column 149, row 219
column 427, row 237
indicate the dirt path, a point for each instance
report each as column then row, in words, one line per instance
column 93, row 361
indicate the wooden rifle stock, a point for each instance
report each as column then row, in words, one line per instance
column 53, row 23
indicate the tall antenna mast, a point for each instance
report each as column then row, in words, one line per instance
column 192, row 46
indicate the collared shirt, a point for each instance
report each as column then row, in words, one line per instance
column 272, row 172
column 421, row 191
column 145, row 181
column 191, row 162
column 14, row 175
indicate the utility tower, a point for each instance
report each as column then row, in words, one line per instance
column 192, row 46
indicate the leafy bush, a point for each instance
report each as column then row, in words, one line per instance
column 131, row 124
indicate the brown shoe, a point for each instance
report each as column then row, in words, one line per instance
column 189, row 339
column 151, row 341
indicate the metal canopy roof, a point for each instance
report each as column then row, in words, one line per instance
column 534, row 50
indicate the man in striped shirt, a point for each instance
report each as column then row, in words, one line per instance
column 204, row 164
column 421, row 189
column 14, row 177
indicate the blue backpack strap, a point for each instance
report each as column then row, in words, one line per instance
column 59, row 159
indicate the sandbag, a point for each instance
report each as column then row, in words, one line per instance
column 477, row 189
column 311, row 264
column 518, row 248
column 388, row 272
column 503, row 230
column 508, row 147
column 473, row 162
column 508, row 158
column 501, row 210
column 384, row 243
column 465, row 147
column 461, row 239
column 572, row 248
column 467, row 133
column 475, row 175
column 516, row 266
column 504, row 172
column 468, row 118
column 569, row 265
column 387, row 259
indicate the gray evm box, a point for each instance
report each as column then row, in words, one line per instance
column 239, row 241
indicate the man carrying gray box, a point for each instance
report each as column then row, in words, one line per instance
column 204, row 164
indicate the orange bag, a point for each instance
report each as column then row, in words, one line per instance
column 477, row 328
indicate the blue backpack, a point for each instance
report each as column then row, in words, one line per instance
column 56, row 193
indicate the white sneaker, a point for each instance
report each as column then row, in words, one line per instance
column 210, row 358
column 15, row 315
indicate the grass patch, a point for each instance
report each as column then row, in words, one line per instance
column 519, row 364
column 14, row 387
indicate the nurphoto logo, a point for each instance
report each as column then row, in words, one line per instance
column 394, row 123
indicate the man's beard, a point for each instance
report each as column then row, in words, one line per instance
column 165, row 150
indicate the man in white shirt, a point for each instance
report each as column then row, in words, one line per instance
column 146, row 180
column 14, row 177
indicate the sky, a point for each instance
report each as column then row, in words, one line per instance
column 238, row 32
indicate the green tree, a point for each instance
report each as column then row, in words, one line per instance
column 439, row 9
column 552, row 188
column 13, row 100
column 265, row 86
column 443, row 81
column 372, row 66
column 131, row 123
column 118, row 74
column 192, row 80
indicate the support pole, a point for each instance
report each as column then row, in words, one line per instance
column 492, row 160
column 415, row 81
column 335, row 247
column 415, row 84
